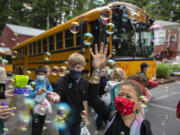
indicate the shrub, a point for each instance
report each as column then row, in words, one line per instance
column 175, row 68
column 163, row 70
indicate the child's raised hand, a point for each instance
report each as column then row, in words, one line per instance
column 99, row 58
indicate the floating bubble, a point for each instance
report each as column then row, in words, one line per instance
column 98, row 2
column 66, row 63
column 2, row 44
column 110, row 28
column 122, row 133
column 125, row 17
column 55, row 70
column 11, row 83
column 25, row 115
column 105, row 14
column 62, row 120
column 74, row 27
column 143, row 99
column 33, row 84
column 83, row 114
column 154, row 28
column 166, row 116
column 95, row 79
column 113, row 51
column 88, row 39
column 30, row 103
column 89, row 74
column 28, row 72
column 62, row 70
column 14, row 54
column 4, row 61
column 13, row 111
column 47, row 56
column 163, row 122
column 5, row 131
column 42, row 111
column 24, row 126
column 70, row 85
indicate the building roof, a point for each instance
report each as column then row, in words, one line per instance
column 166, row 23
column 23, row 30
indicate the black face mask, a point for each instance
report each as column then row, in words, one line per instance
column 75, row 75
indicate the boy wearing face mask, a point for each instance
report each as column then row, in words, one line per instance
column 72, row 89
column 40, row 92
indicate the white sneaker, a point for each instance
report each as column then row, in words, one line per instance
column 44, row 127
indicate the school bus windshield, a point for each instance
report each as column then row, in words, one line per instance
column 132, row 37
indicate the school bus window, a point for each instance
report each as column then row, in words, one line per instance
column 34, row 48
column 45, row 45
column 69, row 39
column 30, row 49
column 51, row 43
column 80, row 33
column 39, row 46
column 25, row 50
column 59, row 41
column 22, row 51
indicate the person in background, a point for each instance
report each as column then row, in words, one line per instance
column 48, row 69
column 3, row 76
column 72, row 89
column 144, row 69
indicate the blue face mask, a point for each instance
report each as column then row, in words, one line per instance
column 75, row 75
column 40, row 77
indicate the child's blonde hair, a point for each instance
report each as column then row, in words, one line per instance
column 118, row 74
column 75, row 59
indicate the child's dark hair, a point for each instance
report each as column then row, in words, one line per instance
column 140, row 78
column 137, row 87
column 41, row 69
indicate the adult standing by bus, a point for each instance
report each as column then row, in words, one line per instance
column 3, row 77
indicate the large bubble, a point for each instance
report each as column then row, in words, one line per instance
column 62, row 71
column 47, row 56
column 55, row 70
column 105, row 14
column 88, row 39
column 98, row 2
column 63, row 117
column 74, row 27
column 110, row 28
column 155, row 28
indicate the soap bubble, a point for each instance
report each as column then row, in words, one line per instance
column 125, row 17
column 55, row 70
column 62, row 70
column 154, row 28
column 88, row 38
column 74, row 27
column 105, row 14
column 98, row 2
column 14, row 55
column 47, row 56
column 62, row 119
column 110, row 28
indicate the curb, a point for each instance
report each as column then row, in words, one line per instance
column 167, row 81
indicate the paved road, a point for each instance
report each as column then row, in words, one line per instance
column 161, row 114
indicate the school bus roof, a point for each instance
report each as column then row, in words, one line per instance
column 88, row 16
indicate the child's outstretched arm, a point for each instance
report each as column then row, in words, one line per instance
column 99, row 61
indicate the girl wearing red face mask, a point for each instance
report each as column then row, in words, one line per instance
column 126, row 119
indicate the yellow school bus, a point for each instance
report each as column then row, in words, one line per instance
column 129, row 45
